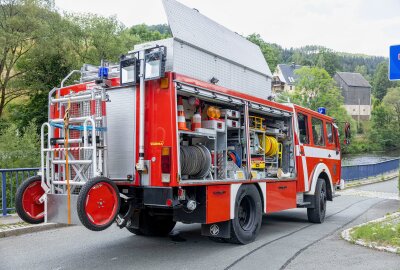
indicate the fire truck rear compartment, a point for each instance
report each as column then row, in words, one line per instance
column 213, row 142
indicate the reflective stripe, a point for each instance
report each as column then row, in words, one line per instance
column 305, row 173
column 320, row 153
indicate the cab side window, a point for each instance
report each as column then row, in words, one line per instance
column 318, row 132
column 329, row 131
column 303, row 128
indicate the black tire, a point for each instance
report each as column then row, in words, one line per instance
column 156, row 225
column 248, row 215
column 317, row 214
column 82, row 202
column 19, row 204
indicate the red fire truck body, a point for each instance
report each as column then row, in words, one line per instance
column 134, row 153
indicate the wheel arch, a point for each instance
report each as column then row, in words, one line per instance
column 261, row 188
column 321, row 171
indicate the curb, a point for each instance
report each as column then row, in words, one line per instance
column 363, row 182
column 346, row 235
column 30, row 229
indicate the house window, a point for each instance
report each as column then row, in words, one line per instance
column 303, row 130
column 318, row 132
column 290, row 87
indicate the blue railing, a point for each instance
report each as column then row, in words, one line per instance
column 10, row 180
column 355, row 172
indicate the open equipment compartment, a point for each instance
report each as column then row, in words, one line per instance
column 213, row 141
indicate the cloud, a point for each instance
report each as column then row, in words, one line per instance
column 358, row 26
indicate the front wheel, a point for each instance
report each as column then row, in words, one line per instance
column 317, row 214
column 248, row 215
column 27, row 203
column 98, row 203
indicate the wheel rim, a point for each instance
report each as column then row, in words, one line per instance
column 101, row 204
column 30, row 200
column 246, row 213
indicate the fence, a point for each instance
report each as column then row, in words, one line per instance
column 10, row 180
column 355, row 172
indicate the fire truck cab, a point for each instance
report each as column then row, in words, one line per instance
column 181, row 130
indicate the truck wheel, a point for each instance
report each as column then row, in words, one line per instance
column 248, row 215
column 153, row 225
column 317, row 214
column 27, row 203
column 98, row 203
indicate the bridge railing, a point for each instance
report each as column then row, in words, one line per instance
column 10, row 180
column 356, row 172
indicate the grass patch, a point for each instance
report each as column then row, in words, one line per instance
column 386, row 233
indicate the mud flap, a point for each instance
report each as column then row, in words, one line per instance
column 220, row 229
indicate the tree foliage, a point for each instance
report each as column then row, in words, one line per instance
column 381, row 82
column 315, row 88
column 23, row 24
column 271, row 53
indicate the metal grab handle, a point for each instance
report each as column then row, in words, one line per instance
column 94, row 145
column 45, row 183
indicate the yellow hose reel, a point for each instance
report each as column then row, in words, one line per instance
column 271, row 146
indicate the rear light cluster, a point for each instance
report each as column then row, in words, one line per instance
column 166, row 164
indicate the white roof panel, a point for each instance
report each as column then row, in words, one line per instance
column 191, row 27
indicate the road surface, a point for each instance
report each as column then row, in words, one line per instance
column 286, row 241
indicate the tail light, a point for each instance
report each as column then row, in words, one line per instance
column 166, row 164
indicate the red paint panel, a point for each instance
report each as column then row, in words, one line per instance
column 281, row 196
column 160, row 128
column 218, row 203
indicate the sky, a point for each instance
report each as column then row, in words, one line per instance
column 355, row 26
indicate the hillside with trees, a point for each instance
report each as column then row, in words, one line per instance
column 39, row 46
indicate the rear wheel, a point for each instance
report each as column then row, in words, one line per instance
column 248, row 215
column 153, row 225
column 27, row 203
column 98, row 203
column 317, row 214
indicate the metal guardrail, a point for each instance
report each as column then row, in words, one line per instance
column 355, row 172
column 10, row 180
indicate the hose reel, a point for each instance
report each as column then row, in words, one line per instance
column 195, row 161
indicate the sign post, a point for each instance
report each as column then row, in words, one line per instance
column 394, row 63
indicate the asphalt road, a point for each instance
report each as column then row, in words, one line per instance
column 286, row 241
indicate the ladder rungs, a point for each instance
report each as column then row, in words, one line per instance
column 72, row 161
column 73, row 183
column 75, row 119
column 69, row 149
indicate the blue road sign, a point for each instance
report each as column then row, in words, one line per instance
column 394, row 63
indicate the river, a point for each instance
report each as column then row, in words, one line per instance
column 367, row 158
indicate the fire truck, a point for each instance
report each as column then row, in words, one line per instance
column 181, row 130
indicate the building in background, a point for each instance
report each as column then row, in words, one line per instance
column 284, row 78
column 356, row 91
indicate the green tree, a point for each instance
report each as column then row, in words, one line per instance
column 392, row 103
column 93, row 38
column 328, row 60
column 363, row 70
column 271, row 53
column 144, row 33
column 380, row 81
column 315, row 88
column 22, row 24
column 19, row 148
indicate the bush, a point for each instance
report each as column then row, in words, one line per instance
column 19, row 148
